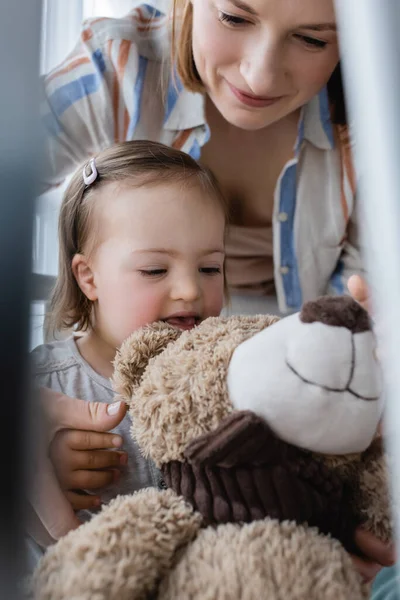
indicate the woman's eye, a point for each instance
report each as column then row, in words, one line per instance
column 210, row 270
column 231, row 19
column 152, row 272
column 311, row 42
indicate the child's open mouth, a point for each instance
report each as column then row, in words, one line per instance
column 183, row 321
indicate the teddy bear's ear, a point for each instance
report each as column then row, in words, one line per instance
column 132, row 358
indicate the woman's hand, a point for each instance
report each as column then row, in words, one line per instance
column 376, row 554
column 358, row 289
column 83, row 460
column 51, row 514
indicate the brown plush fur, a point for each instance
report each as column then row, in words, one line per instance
column 374, row 508
column 122, row 553
column 370, row 500
column 165, row 418
column 139, row 348
column 263, row 560
column 142, row 542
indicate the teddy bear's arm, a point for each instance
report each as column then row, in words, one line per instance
column 122, row 553
column 371, row 501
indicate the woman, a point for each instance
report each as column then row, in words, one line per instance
column 258, row 99
column 256, row 95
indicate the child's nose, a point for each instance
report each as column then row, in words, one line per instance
column 185, row 287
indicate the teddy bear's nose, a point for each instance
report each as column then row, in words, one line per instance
column 340, row 354
column 340, row 311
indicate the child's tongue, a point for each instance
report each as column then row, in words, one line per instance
column 182, row 322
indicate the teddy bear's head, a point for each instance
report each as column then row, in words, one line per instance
column 231, row 410
column 312, row 376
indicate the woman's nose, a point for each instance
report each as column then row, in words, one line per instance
column 262, row 68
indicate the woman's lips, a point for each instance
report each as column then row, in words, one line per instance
column 254, row 101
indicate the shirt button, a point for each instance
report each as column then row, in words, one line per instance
column 284, row 270
column 282, row 217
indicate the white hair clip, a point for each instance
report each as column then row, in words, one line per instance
column 89, row 179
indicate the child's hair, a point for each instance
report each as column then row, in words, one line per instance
column 137, row 162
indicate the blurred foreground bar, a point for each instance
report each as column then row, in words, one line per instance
column 19, row 93
column 370, row 50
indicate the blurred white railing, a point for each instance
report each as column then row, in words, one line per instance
column 370, row 49
column 61, row 24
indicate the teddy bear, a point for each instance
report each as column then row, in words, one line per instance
column 264, row 431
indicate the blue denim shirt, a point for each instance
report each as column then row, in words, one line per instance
column 387, row 585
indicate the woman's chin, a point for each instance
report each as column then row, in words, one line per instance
column 248, row 118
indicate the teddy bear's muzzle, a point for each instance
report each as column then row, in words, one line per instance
column 313, row 377
column 337, row 360
column 336, row 348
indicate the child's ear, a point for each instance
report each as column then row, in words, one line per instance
column 84, row 276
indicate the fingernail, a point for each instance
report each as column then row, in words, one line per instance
column 117, row 441
column 113, row 408
column 96, row 502
column 117, row 475
column 123, row 459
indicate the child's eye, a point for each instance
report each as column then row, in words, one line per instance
column 152, row 272
column 231, row 19
column 210, row 270
column 310, row 42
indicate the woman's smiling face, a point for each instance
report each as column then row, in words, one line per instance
column 261, row 60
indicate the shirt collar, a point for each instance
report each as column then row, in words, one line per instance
column 316, row 123
column 186, row 110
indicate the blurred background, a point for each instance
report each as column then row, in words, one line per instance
column 61, row 24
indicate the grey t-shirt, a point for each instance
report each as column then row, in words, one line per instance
column 60, row 367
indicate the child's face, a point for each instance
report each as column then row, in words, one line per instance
column 161, row 258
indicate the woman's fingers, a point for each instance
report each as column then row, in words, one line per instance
column 373, row 548
column 63, row 412
column 77, row 466
column 375, row 554
column 75, row 439
column 367, row 569
column 83, row 501
column 359, row 290
column 91, row 480
column 97, row 461
column 56, row 412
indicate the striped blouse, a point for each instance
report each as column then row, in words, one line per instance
column 117, row 85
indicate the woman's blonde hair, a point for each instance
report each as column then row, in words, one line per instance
column 182, row 52
column 140, row 163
